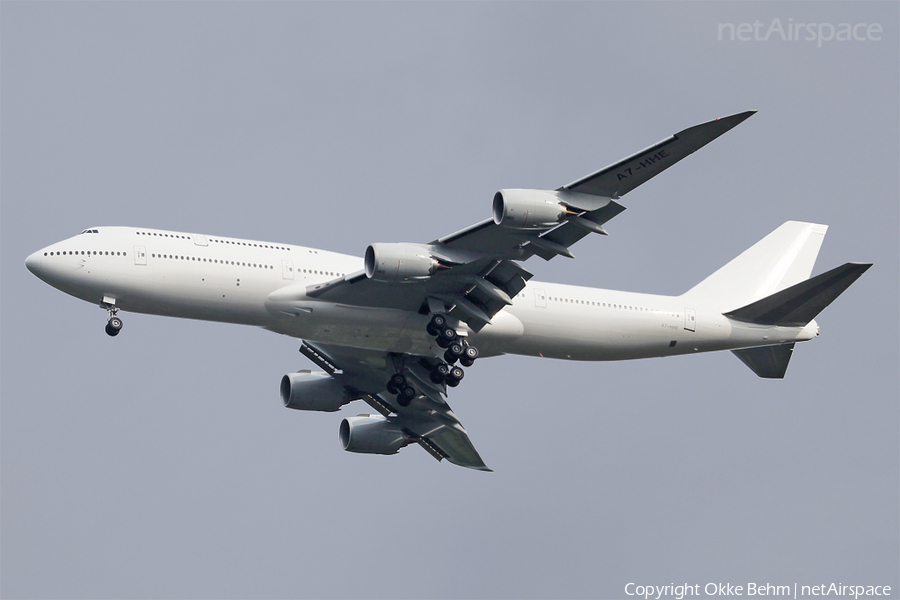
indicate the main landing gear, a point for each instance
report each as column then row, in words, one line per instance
column 404, row 392
column 456, row 349
column 114, row 324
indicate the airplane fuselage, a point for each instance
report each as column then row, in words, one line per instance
column 262, row 284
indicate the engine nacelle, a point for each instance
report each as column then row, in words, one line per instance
column 313, row 390
column 372, row 434
column 391, row 263
column 527, row 209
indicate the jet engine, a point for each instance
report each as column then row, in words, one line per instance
column 313, row 390
column 372, row 434
column 527, row 209
column 391, row 263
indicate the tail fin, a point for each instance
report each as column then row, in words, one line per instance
column 781, row 259
column 770, row 284
column 795, row 306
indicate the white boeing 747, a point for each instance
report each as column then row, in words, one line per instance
column 396, row 328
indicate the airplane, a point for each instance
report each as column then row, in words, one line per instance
column 397, row 327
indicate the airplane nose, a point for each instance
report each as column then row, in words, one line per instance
column 33, row 263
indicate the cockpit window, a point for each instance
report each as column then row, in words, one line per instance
column 89, row 231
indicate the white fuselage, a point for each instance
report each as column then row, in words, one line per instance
column 262, row 284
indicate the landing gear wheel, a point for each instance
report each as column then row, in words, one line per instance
column 398, row 381
column 406, row 395
column 113, row 326
column 454, row 351
column 469, row 354
column 113, row 323
column 440, row 373
column 435, row 325
column 446, row 336
column 455, row 376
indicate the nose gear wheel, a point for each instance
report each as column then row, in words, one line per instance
column 113, row 323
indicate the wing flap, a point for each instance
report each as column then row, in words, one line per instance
column 570, row 232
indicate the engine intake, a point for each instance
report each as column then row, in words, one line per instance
column 313, row 390
column 371, row 434
column 391, row 263
column 527, row 209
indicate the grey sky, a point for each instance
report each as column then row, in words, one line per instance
column 161, row 463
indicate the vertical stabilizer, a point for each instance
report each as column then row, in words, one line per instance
column 783, row 258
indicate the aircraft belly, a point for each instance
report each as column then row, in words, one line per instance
column 384, row 329
column 579, row 334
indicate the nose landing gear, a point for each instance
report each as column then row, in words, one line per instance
column 114, row 324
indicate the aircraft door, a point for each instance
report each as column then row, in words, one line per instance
column 287, row 269
column 140, row 255
column 540, row 298
column 690, row 319
column 200, row 240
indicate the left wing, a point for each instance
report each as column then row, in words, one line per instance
column 426, row 420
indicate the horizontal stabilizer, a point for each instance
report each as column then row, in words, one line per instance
column 770, row 362
column 799, row 304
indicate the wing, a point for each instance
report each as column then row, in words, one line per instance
column 475, row 274
column 620, row 178
column 469, row 275
column 427, row 420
